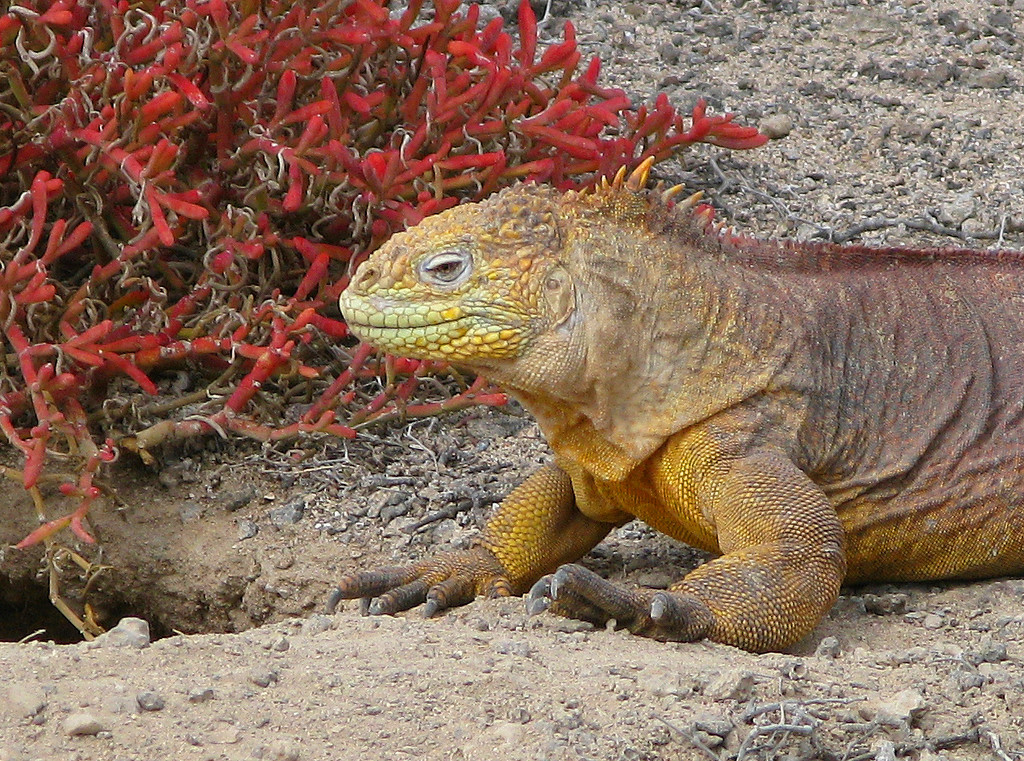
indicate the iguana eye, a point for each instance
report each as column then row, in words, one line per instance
column 446, row 268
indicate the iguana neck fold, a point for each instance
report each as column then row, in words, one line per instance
column 652, row 318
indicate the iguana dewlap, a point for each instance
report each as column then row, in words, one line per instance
column 810, row 414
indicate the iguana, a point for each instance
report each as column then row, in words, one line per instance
column 810, row 414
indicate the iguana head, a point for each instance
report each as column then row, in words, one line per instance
column 480, row 285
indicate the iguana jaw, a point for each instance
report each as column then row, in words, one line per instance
column 429, row 331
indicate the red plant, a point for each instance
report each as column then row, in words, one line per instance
column 187, row 184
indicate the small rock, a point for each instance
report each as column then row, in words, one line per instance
column 712, row 724
column 25, row 700
column 777, row 126
column 932, row 621
column 513, row 647
column 281, row 750
column 82, row 723
column 988, row 78
column 901, row 708
column 190, row 511
column 669, row 53
column 247, row 529
column 1001, row 20
column 289, row 513
column 958, row 210
column 263, row 677
column 828, row 648
column 237, row 501
column 129, row 632
column 990, row 651
column 886, row 751
column 734, row 684
column 662, row 682
column 200, row 695
column 224, row 736
column 150, row 701
column 887, row 604
column 315, row 624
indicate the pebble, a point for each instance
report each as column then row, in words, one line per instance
column 776, row 126
column 316, row 624
column 662, row 682
column 886, row 604
column 129, row 632
column 289, row 513
column 150, row 701
column 247, row 529
column 83, row 723
column 990, row 651
column 280, row 750
column 988, row 78
column 237, row 501
column 25, row 700
column 513, row 647
column 734, row 684
column 956, row 212
column 200, row 695
column 263, row 677
column 901, row 708
column 828, row 648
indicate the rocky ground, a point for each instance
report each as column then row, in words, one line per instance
column 899, row 123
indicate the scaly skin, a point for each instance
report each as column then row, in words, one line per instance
column 810, row 414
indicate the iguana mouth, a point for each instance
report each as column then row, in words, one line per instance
column 446, row 333
column 392, row 315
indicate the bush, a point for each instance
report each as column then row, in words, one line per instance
column 186, row 185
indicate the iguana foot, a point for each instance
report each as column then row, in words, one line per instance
column 447, row 581
column 574, row 592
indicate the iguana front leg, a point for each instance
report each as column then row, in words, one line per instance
column 536, row 529
column 780, row 571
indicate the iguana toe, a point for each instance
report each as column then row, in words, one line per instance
column 575, row 592
column 539, row 598
column 446, row 581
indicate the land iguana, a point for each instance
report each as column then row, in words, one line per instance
column 810, row 414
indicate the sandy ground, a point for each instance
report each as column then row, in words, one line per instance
column 900, row 123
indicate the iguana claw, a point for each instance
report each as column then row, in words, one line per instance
column 446, row 581
column 540, row 596
column 575, row 592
